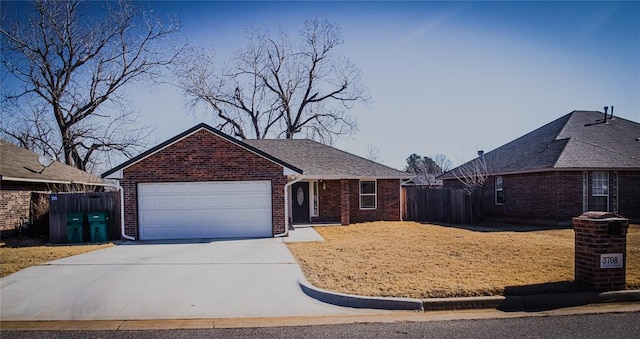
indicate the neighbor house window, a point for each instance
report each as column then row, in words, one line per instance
column 314, row 212
column 499, row 192
column 368, row 195
column 600, row 191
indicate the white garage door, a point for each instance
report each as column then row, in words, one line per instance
column 188, row 210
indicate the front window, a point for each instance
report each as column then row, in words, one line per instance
column 499, row 192
column 600, row 191
column 368, row 197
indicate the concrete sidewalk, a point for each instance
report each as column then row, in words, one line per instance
column 165, row 280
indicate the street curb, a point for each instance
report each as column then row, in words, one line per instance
column 534, row 302
column 358, row 301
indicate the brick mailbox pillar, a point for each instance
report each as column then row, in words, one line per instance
column 600, row 250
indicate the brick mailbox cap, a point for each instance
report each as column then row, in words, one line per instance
column 599, row 215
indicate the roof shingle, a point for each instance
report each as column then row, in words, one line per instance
column 319, row 160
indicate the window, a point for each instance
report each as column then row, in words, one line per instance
column 499, row 192
column 314, row 212
column 600, row 191
column 368, row 195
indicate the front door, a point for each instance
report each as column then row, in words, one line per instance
column 300, row 199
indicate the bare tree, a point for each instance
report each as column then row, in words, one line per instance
column 472, row 174
column 442, row 162
column 68, row 64
column 373, row 153
column 426, row 168
column 275, row 87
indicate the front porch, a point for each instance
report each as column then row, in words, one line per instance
column 343, row 201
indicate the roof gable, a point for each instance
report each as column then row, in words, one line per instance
column 189, row 132
column 578, row 140
column 20, row 164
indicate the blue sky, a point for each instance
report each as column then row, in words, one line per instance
column 446, row 77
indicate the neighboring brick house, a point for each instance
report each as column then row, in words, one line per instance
column 583, row 161
column 21, row 174
column 206, row 184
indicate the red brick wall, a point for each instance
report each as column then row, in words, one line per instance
column 202, row 156
column 388, row 207
column 551, row 197
column 629, row 192
column 14, row 207
column 554, row 197
column 330, row 202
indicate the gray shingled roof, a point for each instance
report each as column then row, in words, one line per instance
column 318, row 160
column 578, row 140
column 19, row 164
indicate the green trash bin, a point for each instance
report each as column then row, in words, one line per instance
column 74, row 228
column 98, row 226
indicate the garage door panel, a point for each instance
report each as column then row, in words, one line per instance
column 204, row 210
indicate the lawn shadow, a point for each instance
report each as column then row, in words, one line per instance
column 494, row 226
column 546, row 296
column 17, row 242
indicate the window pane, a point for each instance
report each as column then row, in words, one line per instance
column 499, row 197
column 367, row 201
column 498, row 183
column 600, row 204
column 367, row 187
column 600, row 184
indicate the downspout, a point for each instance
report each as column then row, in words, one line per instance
column 286, row 208
column 122, row 233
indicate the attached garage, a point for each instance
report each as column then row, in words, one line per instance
column 202, row 184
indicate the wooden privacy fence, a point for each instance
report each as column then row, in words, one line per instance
column 436, row 205
column 62, row 204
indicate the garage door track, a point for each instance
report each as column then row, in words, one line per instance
column 164, row 280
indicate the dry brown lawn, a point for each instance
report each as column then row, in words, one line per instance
column 18, row 254
column 406, row 259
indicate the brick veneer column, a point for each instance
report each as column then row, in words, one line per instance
column 345, row 211
column 593, row 239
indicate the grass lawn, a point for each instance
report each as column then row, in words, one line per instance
column 407, row 259
column 17, row 254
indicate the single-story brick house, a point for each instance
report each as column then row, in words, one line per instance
column 21, row 174
column 583, row 161
column 204, row 183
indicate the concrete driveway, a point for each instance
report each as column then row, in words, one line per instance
column 171, row 280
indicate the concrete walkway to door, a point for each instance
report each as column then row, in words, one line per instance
column 165, row 280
